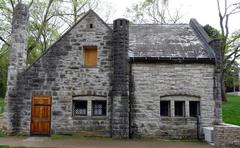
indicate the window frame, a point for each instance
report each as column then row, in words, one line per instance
column 74, row 107
column 198, row 113
column 168, row 108
column 104, row 113
column 183, row 109
column 85, row 48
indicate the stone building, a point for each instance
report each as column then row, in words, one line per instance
column 120, row 80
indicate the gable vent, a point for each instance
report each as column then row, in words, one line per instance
column 91, row 25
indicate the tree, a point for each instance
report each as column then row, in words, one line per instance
column 43, row 28
column 231, row 77
column 3, row 72
column 212, row 32
column 231, row 73
column 231, row 47
column 153, row 11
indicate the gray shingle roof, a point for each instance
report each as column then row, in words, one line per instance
column 171, row 41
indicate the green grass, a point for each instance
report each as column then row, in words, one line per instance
column 238, row 146
column 5, row 146
column 231, row 110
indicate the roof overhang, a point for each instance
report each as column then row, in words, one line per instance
column 172, row 60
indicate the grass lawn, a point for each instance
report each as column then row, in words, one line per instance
column 231, row 110
column 5, row 146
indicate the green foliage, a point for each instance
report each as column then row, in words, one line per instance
column 3, row 72
column 231, row 73
column 2, row 133
column 212, row 32
column 1, row 107
column 231, row 110
column 231, row 76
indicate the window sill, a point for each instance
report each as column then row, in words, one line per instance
column 89, row 117
column 177, row 118
column 91, row 67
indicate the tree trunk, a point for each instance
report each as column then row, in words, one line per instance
column 223, row 89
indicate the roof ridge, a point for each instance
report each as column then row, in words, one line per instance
column 157, row 24
column 202, row 36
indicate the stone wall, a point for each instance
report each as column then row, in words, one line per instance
column 60, row 73
column 186, row 82
column 226, row 136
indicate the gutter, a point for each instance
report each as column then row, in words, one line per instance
column 172, row 60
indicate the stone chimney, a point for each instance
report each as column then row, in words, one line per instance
column 217, row 46
column 120, row 95
column 17, row 62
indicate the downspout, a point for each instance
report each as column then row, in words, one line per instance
column 130, row 100
column 198, row 127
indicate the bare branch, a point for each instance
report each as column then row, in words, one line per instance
column 30, row 4
column 12, row 4
column 4, row 41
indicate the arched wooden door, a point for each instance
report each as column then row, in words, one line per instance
column 41, row 115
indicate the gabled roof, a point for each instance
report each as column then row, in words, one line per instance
column 166, row 41
column 71, row 28
column 169, row 41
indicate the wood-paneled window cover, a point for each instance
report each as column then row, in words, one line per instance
column 90, row 56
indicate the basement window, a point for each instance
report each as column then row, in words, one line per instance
column 99, row 107
column 90, row 56
column 79, row 108
column 179, row 108
column 194, row 108
column 165, row 108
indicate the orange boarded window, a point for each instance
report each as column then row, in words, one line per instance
column 90, row 56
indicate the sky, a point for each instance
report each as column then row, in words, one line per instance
column 205, row 11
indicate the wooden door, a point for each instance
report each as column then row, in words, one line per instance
column 41, row 115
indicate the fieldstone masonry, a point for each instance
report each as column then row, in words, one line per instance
column 17, row 64
column 120, row 121
column 60, row 73
column 172, row 82
column 226, row 136
column 174, row 65
column 217, row 46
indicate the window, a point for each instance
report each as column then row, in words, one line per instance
column 179, row 108
column 90, row 56
column 91, row 25
column 79, row 108
column 98, row 108
column 194, row 108
column 165, row 108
